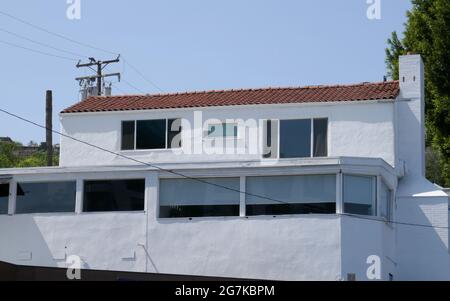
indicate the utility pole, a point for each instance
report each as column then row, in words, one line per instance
column 99, row 76
column 49, row 126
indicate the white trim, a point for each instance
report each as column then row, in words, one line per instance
column 242, row 199
column 12, row 197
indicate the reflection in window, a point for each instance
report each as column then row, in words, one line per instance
column 151, row 134
column 279, row 195
column 320, row 137
column 49, row 197
column 222, row 130
column 295, row 138
column 192, row 198
column 114, row 195
column 128, row 135
column 359, row 194
column 4, row 196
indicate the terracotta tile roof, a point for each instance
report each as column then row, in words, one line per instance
column 311, row 94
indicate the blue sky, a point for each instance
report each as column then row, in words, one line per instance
column 189, row 45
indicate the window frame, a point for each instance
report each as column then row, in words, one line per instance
column 278, row 120
column 135, row 135
column 223, row 124
column 239, row 204
column 43, row 181
column 112, row 179
column 375, row 192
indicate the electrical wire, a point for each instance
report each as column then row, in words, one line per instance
column 204, row 181
column 38, row 51
column 55, row 34
column 42, row 44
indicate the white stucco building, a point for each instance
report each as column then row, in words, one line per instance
column 312, row 183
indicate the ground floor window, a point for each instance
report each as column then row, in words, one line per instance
column 114, row 195
column 45, row 197
column 359, row 194
column 278, row 195
column 4, row 198
column 199, row 197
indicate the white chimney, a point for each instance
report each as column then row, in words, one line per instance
column 410, row 108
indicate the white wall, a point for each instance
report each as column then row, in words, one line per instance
column 362, row 238
column 360, row 129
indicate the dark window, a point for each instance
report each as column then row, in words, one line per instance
column 46, row 197
column 295, row 138
column 360, row 194
column 174, row 133
column 128, row 135
column 270, row 139
column 320, row 137
column 192, row 198
column 151, row 134
column 4, row 196
column 114, row 195
column 280, row 195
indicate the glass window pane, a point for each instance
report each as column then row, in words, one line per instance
column 320, row 137
column 270, row 139
column 127, row 135
column 174, row 133
column 291, row 195
column 359, row 194
column 295, row 138
column 151, row 134
column 191, row 198
column 46, row 197
column 114, row 195
column 385, row 201
column 4, row 196
column 230, row 130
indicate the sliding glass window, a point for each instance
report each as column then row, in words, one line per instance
column 114, row 195
column 359, row 194
column 51, row 197
column 278, row 195
column 196, row 198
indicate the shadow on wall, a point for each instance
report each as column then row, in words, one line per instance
column 422, row 251
column 23, row 243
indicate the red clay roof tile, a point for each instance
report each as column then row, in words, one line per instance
column 310, row 94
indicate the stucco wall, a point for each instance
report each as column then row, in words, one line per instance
column 360, row 129
column 362, row 238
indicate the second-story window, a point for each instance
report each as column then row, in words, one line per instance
column 151, row 134
column 296, row 138
column 225, row 130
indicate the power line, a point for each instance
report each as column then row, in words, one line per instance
column 79, row 43
column 42, row 44
column 37, row 51
column 132, row 86
column 56, row 34
column 203, row 181
column 143, row 76
column 138, row 161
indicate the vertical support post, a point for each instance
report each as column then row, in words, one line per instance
column 339, row 190
column 49, row 126
column 12, row 197
column 242, row 211
column 79, row 196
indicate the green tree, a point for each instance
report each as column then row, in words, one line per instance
column 427, row 32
